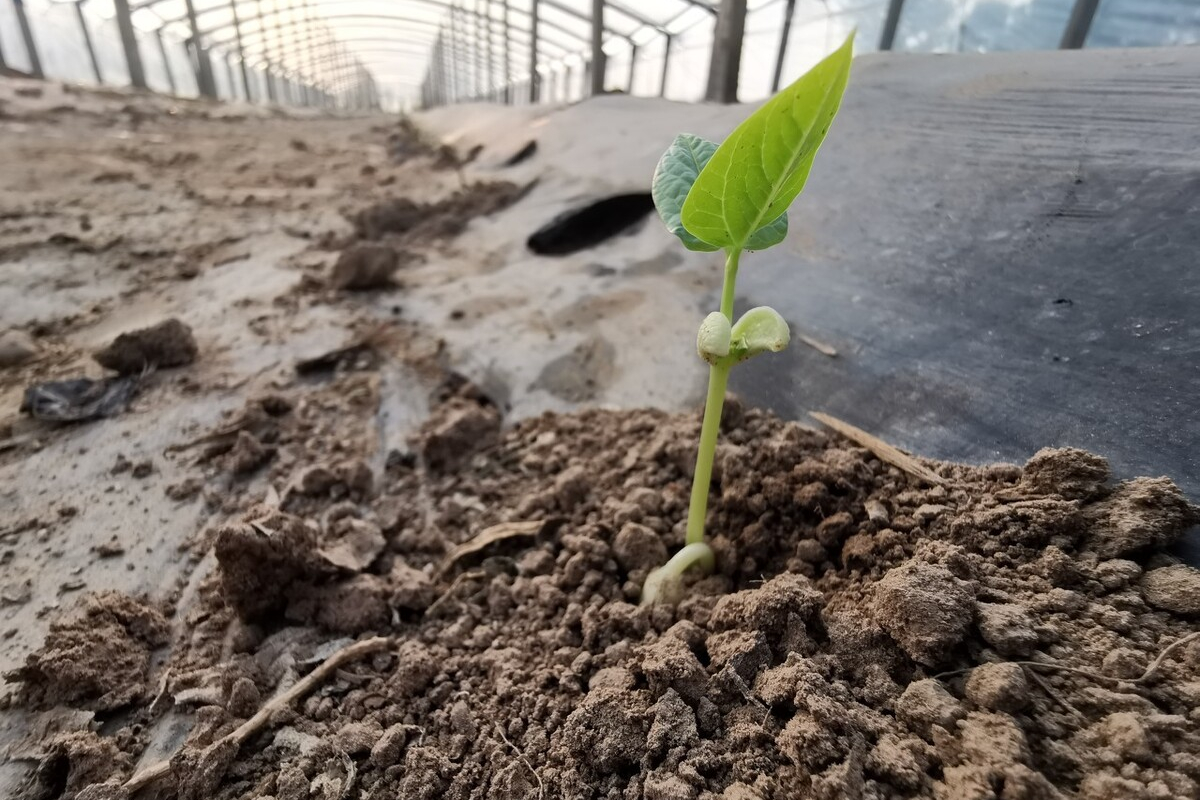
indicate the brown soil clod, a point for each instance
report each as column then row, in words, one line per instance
column 365, row 266
column 98, row 658
column 168, row 344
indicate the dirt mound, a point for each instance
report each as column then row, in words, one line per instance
column 168, row 344
column 408, row 221
column 98, row 658
column 864, row 636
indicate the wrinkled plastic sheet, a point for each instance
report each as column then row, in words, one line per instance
column 79, row 399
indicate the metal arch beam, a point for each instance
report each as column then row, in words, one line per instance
column 414, row 48
column 259, row 56
column 545, row 23
column 257, row 37
column 579, row 15
column 618, row 7
column 378, row 47
column 260, row 59
column 442, row 5
column 258, row 34
column 1080, row 22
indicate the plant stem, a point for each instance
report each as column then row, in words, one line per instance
column 727, row 288
column 718, row 379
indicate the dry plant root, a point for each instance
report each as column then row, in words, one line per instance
column 1052, row 665
column 251, row 726
column 524, row 760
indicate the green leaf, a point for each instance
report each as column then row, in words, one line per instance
column 673, row 179
column 757, row 172
column 768, row 235
column 714, row 337
column 759, row 330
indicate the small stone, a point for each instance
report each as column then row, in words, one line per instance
column 925, row 609
column 461, row 721
column 1008, row 628
column 412, row 589
column 16, row 348
column 143, row 469
column 998, row 687
column 571, row 487
column 740, row 791
column 390, row 746
column 926, row 703
column 357, row 737
column 810, row 551
column 896, row 759
column 929, row 512
column 315, row 480
column 364, row 266
column 876, row 512
column 1175, row 588
column 244, row 698
column 638, row 547
column 835, row 527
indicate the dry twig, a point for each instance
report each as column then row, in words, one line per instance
column 818, row 345
column 881, row 449
column 252, row 725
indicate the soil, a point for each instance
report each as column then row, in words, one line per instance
column 1010, row 632
column 864, row 635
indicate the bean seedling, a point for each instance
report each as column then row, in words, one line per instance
column 733, row 198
